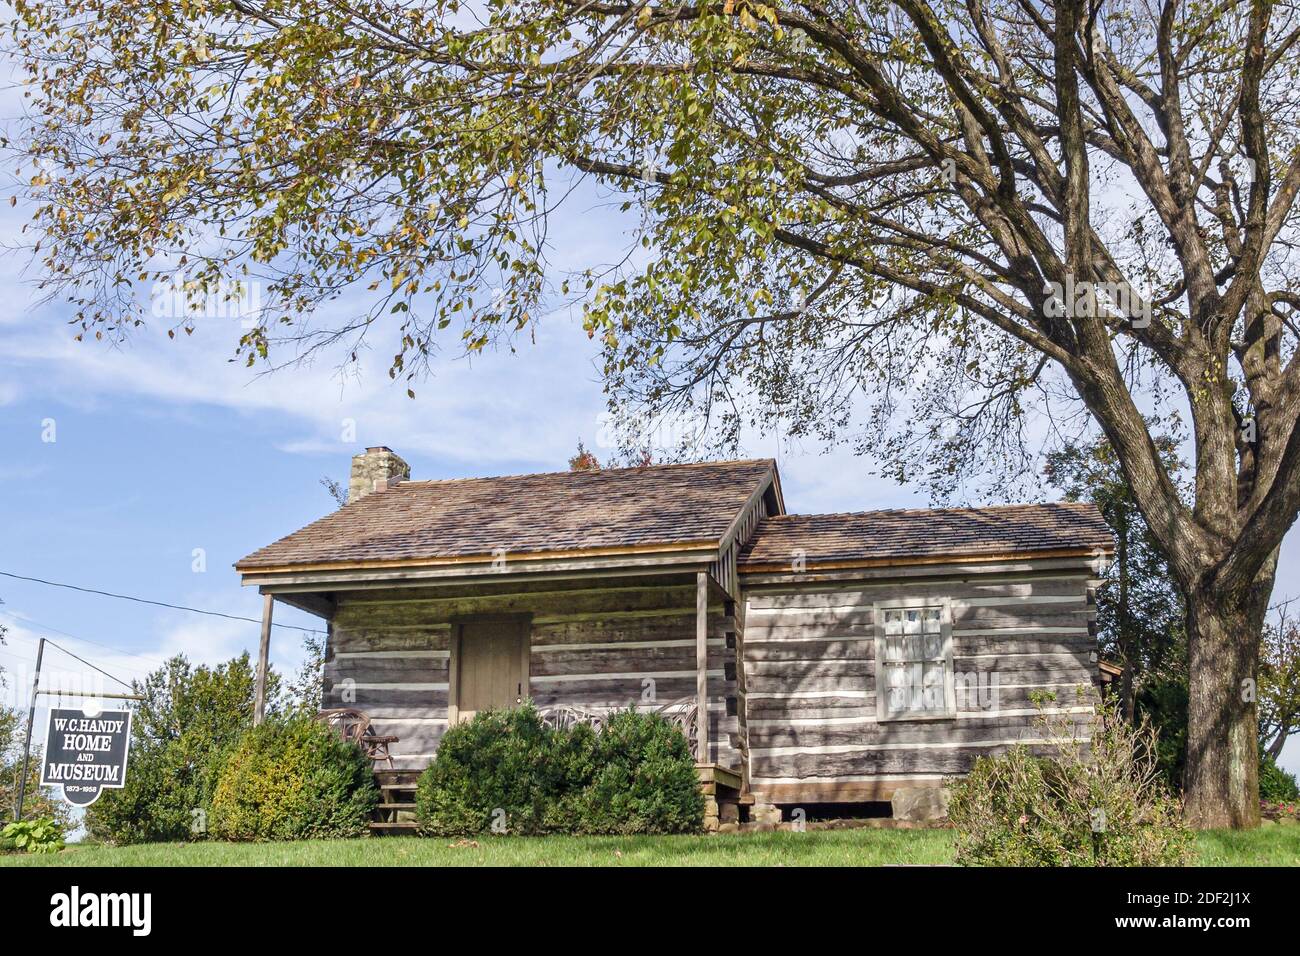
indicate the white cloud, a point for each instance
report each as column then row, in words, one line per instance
column 202, row 639
column 481, row 411
column 58, row 670
column 837, row 481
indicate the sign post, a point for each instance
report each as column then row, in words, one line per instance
column 31, row 719
column 85, row 754
column 85, row 749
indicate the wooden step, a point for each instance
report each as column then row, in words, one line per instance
column 397, row 795
column 403, row 826
column 397, row 776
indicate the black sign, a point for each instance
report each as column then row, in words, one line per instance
column 86, row 755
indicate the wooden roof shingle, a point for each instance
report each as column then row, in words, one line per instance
column 919, row 534
column 657, row 506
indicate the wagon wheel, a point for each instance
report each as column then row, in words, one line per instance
column 350, row 724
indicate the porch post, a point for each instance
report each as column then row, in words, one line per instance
column 702, row 667
column 263, row 652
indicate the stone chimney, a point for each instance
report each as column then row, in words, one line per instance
column 377, row 469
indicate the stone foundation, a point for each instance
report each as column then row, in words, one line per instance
column 920, row 804
column 867, row 823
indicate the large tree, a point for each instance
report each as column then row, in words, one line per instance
column 912, row 224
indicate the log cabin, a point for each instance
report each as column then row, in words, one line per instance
column 814, row 661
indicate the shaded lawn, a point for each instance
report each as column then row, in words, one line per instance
column 1272, row 845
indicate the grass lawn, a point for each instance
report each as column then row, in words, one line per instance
column 1269, row 846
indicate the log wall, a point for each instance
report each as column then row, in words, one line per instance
column 809, row 662
column 805, row 693
column 595, row 648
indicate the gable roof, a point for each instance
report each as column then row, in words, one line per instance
column 918, row 535
column 656, row 507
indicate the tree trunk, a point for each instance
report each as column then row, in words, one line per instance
column 1278, row 742
column 1222, row 776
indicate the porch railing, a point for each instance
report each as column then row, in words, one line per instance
column 683, row 714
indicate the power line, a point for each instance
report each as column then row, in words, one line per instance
column 138, row 600
column 22, row 620
column 25, row 622
column 93, row 667
column 13, row 656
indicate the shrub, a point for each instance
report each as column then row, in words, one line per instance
column 645, row 779
column 44, row 835
column 1163, row 701
column 293, row 780
column 1103, row 804
column 181, row 733
column 1275, row 784
column 506, row 772
column 494, row 767
column 37, row 801
column 573, row 762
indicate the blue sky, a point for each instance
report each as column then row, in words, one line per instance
column 162, row 447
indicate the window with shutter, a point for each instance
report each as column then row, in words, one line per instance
column 914, row 676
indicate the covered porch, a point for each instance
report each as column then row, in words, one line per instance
column 417, row 656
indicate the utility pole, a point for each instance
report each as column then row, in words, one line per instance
column 27, row 743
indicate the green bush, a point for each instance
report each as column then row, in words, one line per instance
column 506, row 772
column 1163, row 701
column 645, row 779
column 493, row 767
column 1275, row 784
column 293, row 780
column 44, row 835
column 38, row 801
column 182, row 731
column 1098, row 805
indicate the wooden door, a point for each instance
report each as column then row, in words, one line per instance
column 492, row 666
